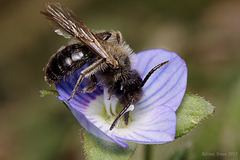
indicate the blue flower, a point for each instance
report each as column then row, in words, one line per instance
column 153, row 119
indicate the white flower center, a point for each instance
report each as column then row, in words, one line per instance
column 105, row 111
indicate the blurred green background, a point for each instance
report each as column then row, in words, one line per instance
column 206, row 33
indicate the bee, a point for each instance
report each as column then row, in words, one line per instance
column 106, row 55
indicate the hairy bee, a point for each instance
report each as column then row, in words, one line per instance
column 107, row 57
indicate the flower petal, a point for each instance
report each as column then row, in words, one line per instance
column 84, row 105
column 95, row 124
column 167, row 85
column 153, row 121
column 153, row 127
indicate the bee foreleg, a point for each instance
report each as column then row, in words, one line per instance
column 125, row 111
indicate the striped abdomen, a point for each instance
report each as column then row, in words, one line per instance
column 67, row 61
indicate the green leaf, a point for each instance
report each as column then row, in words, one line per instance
column 191, row 112
column 96, row 148
column 45, row 92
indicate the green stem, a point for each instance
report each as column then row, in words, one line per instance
column 148, row 152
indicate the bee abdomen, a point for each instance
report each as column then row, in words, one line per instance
column 67, row 61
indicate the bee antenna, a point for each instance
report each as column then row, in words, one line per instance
column 124, row 110
column 151, row 72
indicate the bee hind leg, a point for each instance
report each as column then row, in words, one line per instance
column 91, row 87
column 85, row 73
column 80, row 79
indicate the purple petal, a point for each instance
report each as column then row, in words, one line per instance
column 89, row 124
column 167, row 85
column 80, row 106
column 153, row 127
column 153, row 121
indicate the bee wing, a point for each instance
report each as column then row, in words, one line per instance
column 64, row 19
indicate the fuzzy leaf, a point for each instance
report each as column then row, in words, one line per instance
column 191, row 112
column 96, row 148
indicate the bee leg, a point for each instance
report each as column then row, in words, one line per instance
column 104, row 35
column 123, row 112
column 85, row 73
column 88, row 89
column 79, row 81
column 91, row 87
column 151, row 72
column 119, row 37
column 126, row 117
